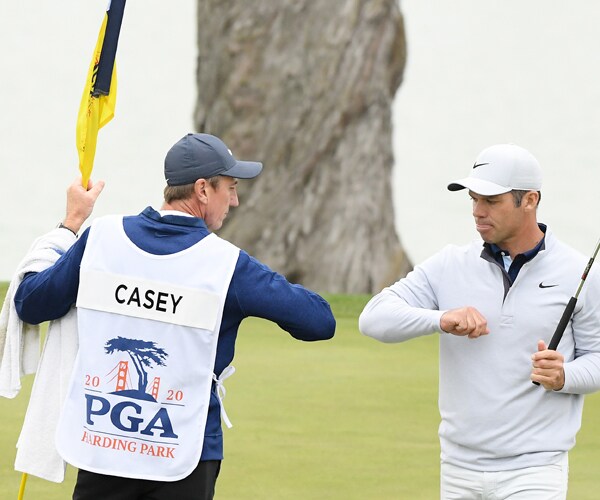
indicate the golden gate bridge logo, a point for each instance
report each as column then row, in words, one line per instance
column 143, row 356
column 121, row 373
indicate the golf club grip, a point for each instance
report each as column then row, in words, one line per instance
column 560, row 328
column 562, row 324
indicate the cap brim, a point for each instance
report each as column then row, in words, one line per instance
column 479, row 186
column 244, row 169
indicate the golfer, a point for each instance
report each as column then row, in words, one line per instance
column 496, row 304
column 159, row 301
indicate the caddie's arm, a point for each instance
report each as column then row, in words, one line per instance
column 49, row 294
column 80, row 203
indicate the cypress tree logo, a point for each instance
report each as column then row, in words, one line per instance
column 143, row 354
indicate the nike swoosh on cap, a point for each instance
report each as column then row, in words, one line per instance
column 479, row 164
column 541, row 285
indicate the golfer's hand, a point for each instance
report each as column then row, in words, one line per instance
column 465, row 321
column 548, row 369
column 80, row 203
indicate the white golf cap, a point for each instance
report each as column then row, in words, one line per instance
column 500, row 169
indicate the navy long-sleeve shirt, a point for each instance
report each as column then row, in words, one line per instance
column 255, row 290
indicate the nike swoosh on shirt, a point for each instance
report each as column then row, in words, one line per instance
column 541, row 285
column 479, row 164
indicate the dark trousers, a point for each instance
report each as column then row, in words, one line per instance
column 199, row 485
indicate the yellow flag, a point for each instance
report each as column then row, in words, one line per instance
column 99, row 98
column 98, row 102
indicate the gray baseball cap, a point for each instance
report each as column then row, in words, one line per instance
column 201, row 156
column 500, row 169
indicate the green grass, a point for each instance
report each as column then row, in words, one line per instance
column 346, row 419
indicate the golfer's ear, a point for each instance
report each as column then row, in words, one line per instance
column 531, row 199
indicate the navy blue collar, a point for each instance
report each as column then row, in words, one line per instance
column 528, row 255
column 521, row 259
column 178, row 220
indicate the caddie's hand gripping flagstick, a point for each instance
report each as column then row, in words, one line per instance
column 568, row 312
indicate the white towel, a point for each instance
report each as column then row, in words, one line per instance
column 19, row 344
column 36, row 448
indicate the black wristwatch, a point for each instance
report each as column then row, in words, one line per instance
column 62, row 226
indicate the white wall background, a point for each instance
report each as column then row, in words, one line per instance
column 482, row 72
column 45, row 51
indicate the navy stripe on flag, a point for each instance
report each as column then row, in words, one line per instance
column 109, row 48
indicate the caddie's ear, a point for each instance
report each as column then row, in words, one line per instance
column 200, row 190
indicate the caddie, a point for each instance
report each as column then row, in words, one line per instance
column 159, row 299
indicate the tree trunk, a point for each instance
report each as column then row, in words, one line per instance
column 306, row 86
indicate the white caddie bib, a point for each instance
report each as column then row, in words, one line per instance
column 148, row 330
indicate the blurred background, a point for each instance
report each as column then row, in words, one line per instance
column 477, row 73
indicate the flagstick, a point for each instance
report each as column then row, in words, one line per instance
column 22, row 487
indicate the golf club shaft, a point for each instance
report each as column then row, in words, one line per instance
column 568, row 312
column 562, row 324
column 564, row 320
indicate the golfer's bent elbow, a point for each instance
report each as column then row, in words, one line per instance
column 372, row 325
